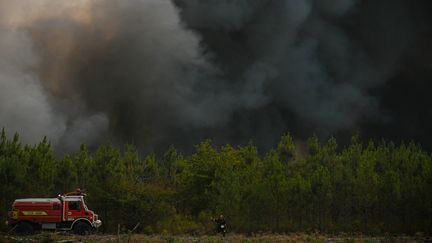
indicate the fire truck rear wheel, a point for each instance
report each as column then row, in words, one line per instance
column 82, row 228
column 24, row 228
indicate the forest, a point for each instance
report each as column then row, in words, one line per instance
column 372, row 187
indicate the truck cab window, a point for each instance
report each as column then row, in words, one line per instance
column 74, row 205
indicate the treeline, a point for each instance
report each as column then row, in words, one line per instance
column 373, row 188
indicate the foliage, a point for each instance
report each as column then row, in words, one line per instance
column 372, row 188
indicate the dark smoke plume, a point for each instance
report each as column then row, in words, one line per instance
column 160, row 72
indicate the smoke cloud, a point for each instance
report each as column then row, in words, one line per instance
column 160, row 72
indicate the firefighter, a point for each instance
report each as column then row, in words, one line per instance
column 220, row 224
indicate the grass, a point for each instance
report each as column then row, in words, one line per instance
column 294, row 237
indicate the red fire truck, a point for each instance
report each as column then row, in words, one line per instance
column 66, row 212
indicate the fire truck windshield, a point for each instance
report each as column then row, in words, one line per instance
column 85, row 206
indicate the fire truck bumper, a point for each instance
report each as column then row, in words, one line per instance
column 97, row 223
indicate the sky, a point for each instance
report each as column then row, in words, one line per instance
column 159, row 72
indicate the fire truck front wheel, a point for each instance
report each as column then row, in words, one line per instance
column 24, row 228
column 82, row 228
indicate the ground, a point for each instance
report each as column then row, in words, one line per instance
column 298, row 237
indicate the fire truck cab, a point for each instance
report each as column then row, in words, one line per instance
column 67, row 212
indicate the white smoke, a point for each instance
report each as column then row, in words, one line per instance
column 24, row 105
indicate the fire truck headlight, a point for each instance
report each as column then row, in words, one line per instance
column 97, row 223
